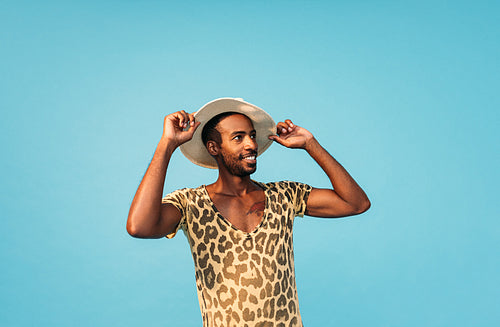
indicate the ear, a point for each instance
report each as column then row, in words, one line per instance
column 213, row 148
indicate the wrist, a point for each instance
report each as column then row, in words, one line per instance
column 311, row 144
column 167, row 146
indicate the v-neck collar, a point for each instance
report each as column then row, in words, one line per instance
column 219, row 214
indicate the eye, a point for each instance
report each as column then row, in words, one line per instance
column 253, row 136
column 237, row 138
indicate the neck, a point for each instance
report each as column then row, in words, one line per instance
column 233, row 185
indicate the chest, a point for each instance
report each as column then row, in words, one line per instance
column 244, row 213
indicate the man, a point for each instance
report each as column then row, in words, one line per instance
column 239, row 230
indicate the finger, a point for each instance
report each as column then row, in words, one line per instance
column 185, row 115
column 290, row 126
column 192, row 127
column 180, row 118
column 191, row 119
column 175, row 118
column 185, row 119
column 282, row 128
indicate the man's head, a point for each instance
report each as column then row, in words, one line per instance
column 222, row 109
column 230, row 138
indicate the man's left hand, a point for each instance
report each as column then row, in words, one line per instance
column 291, row 135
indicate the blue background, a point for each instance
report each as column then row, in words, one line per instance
column 403, row 93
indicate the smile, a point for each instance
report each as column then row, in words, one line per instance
column 250, row 158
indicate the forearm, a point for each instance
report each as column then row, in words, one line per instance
column 145, row 209
column 342, row 183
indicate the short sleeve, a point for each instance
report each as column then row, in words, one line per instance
column 179, row 200
column 296, row 193
column 302, row 192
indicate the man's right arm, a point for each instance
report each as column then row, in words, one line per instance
column 148, row 217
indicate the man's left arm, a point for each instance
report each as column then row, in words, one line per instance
column 346, row 197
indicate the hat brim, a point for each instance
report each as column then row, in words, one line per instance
column 263, row 123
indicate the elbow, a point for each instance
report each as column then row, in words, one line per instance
column 134, row 230
column 360, row 207
column 139, row 228
column 364, row 206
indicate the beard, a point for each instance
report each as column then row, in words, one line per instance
column 236, row 166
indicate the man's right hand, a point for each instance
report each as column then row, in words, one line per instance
column 179, row 127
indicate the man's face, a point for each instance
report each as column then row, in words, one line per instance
column 238, row 149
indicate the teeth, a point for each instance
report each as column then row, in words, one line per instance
column 250, row 157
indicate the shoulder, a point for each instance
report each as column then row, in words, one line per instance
column 285, row 185
column 287, row 190
column 184, row 194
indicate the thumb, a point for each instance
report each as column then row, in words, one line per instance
column 277, row 139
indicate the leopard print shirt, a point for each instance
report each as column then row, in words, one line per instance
column 244, row 279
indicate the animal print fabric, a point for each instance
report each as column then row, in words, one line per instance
column 244, row 279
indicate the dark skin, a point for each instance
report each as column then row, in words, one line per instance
column 234, row 194
column 237, row 198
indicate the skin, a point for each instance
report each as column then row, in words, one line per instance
column 234, row 194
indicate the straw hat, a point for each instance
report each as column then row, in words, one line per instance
column 263, row 123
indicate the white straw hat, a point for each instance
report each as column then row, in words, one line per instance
column 263, row 123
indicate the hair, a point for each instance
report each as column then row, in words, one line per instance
column 210, row 132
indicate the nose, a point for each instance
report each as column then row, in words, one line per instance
column 251, row 143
